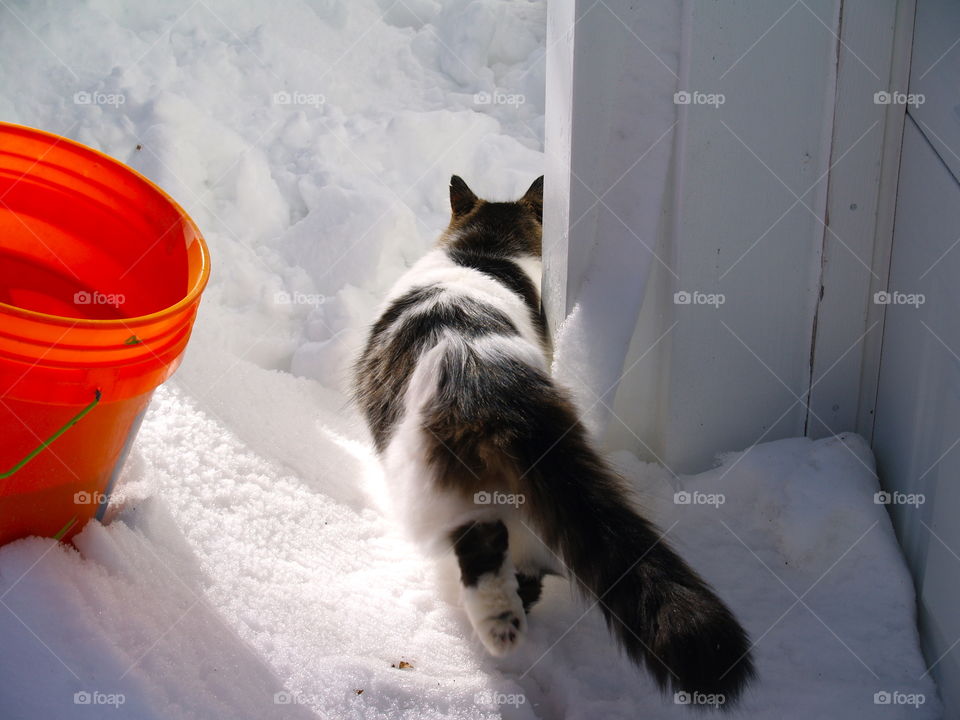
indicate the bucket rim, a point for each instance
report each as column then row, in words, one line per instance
column 189, row 299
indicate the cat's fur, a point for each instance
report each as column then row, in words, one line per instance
column 455, row 386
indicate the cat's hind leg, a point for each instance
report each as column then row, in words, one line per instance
column 490, row 586
column 529, row 588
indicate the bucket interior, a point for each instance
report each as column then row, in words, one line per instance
column 75, row 247
column 100, row 274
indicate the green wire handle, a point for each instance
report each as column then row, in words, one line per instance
column 46, row 443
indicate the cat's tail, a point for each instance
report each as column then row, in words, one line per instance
column 661, row 612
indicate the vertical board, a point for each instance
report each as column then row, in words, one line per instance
column 865, row 132
column 917, row 432
column 558, row 131
column 609, row 152
column 752, row 193
column 934, row 75
column 886, row 211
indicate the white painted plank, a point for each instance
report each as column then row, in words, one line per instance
column 842, row 329
column 886, row 211
column 918, row 406
column 608, row 154
column 934, row 75
column 735, row 372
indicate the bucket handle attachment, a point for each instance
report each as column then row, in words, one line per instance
column 46, row 443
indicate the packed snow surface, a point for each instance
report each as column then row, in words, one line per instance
column 250, row 568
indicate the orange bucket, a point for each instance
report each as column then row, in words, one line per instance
column 100, row 279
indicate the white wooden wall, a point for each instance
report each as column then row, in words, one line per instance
column 864, row 165
column 917, row 434
column 793, row 201
column 608, row 145
column 779, row 200
column 918, row 413
column 735, row 370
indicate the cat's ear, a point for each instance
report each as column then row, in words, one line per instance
column 534, row 197
column 462, row 199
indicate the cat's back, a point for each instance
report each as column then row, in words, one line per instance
column 437, row 299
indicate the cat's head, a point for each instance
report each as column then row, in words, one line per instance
column 505, row 229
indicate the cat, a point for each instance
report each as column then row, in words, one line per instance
column 488, row 459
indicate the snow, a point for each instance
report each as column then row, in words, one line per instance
column 249, row 568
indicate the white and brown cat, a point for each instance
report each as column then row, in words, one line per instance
column 455, row 386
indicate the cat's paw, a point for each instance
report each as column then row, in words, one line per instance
column 501, row 634
column 496, row 613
